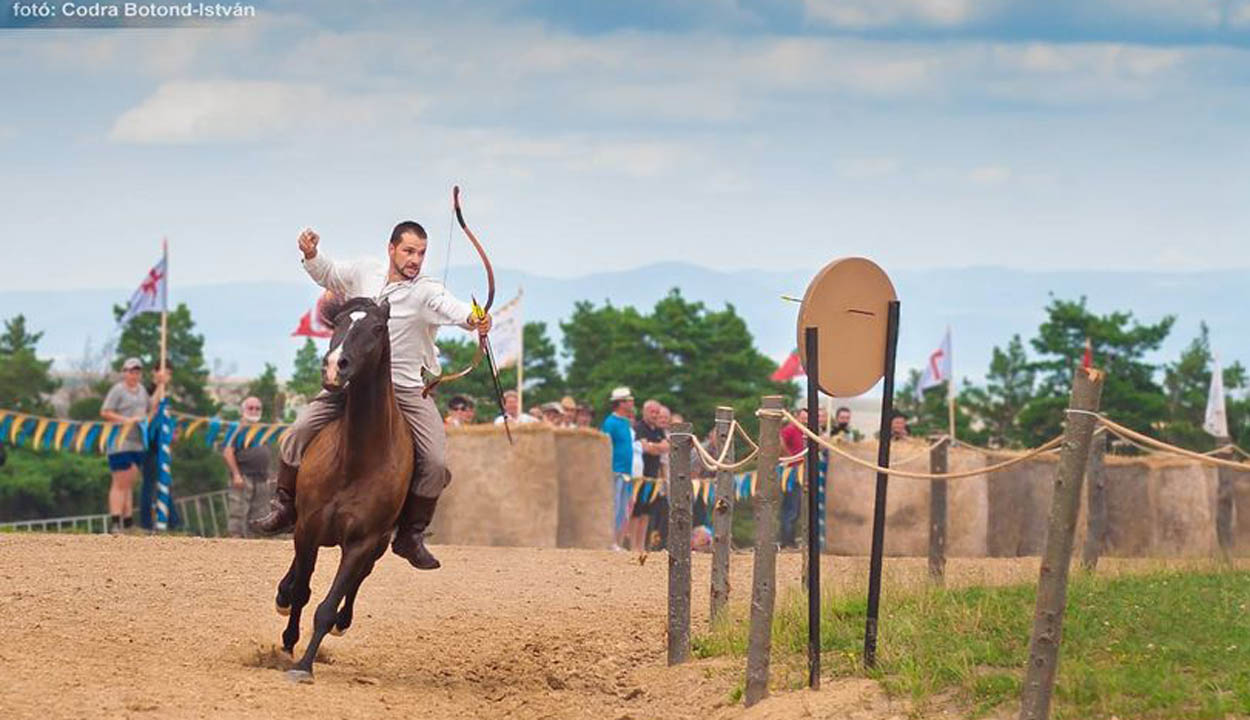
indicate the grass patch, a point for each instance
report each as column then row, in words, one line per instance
column 1164, row 644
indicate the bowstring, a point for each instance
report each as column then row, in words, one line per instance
column 451, row 222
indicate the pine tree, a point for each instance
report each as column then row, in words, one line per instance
column 1187, row 383
column 25, row 380
column 141, row 338
column 306, row 377
column 1120, row 343
column 1009, row 387
column 266, row 388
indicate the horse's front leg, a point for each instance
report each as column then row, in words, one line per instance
column 282, row 602
column 344, row 619
column 355, row 557
column 305, row 563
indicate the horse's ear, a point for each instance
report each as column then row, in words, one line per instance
column 386, row 309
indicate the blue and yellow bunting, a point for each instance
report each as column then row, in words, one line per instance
column 100, row 436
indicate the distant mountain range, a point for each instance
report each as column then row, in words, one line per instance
column 246, row 325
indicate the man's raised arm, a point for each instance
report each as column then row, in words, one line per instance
column 335, row 277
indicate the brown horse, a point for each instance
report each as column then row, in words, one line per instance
column 353, row 477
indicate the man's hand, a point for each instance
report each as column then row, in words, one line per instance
column 238, row 480
column 308, row 243
column 482, row 326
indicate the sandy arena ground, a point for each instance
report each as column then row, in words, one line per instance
column 144, row 627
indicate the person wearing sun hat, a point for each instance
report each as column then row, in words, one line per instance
column 619, row 426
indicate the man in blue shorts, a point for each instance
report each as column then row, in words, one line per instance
column 619, row 426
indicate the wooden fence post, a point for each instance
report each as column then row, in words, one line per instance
column 722, row 517
column 764, row 578
column 679, row 544
column 1096, row 497
column 1224, row 504
column 937, row 511
column 1052, row 584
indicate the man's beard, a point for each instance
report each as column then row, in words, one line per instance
column 400, row 271
column 248, row 417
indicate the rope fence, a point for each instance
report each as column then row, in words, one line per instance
column 1144, row 442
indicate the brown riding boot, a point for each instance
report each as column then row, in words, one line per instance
column 281, row 517
column 410, row 536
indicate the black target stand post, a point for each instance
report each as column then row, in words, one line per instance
column 878, row 514
column 811, row 340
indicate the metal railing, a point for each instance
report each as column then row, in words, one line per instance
column 204, row 515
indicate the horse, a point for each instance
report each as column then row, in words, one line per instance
column 353, row 479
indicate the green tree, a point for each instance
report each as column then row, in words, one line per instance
column 1130, row 394
column 306, row 377
column 684, row 355
column 195, row 467
column 142, row 338
column 543, row 380
column 929, row 414
column 24, row 379
column 1187, row 383
column 36, row 484
column 1009, row 387
column 266, row 388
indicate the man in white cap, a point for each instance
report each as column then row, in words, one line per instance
column 619, row 426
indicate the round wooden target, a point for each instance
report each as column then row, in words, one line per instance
column 847, row 302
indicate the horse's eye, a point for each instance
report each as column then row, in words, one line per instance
column 377, row 329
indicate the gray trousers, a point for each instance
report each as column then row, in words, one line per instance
column 247, row 503
column 429, row 438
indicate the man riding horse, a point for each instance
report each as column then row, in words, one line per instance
column 419, row 305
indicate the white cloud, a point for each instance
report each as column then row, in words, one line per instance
column 869, row 167
column 990, row 175
column 865, row 14
column 1239, row 14
column 234, row 111
column 1193, row 14
column 636, row 158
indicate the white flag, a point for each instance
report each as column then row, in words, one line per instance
column 1216, row 422
column 505, row 333
column 150, row 297
column 938, row 368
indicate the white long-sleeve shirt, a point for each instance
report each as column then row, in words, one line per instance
column 418, row 308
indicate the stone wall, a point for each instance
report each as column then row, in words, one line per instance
column 552, row 488
column 1156, row 506
column 851, row 492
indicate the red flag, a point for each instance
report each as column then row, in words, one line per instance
column 306, row 328
column 789, row 369
column 313, row 323
column 1087, row 360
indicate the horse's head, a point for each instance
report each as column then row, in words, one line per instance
column 360, row 340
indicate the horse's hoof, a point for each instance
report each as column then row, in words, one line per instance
column 283, row 611
column 337, row 631
column 299, row 676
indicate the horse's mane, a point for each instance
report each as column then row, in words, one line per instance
column 332, row 305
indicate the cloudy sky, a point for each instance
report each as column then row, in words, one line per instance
column 608, row 135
